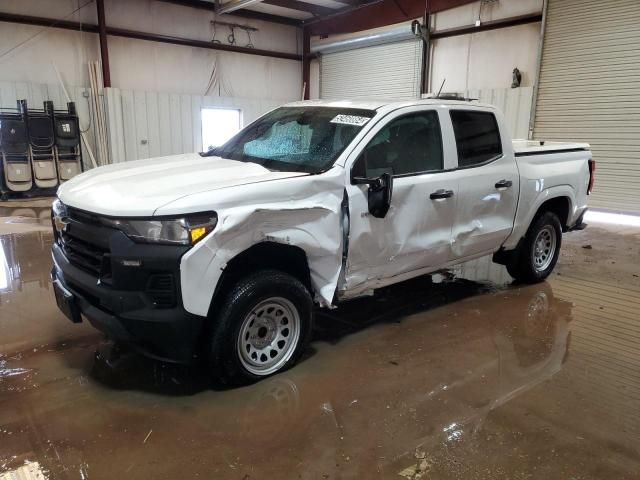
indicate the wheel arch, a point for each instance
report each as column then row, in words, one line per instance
column 561, row 205
column 556, row 200
column 264, row 255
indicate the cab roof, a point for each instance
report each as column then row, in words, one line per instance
column 380, row 104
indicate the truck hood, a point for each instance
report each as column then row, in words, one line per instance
column 139, row 188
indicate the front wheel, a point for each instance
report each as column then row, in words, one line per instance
column 262, row 327
column 539, row 251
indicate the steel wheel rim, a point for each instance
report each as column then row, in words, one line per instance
column 268, row 336
column 544, row 248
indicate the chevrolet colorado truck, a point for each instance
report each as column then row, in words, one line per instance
column 220, row 256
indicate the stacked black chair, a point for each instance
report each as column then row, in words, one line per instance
column 67, row 141
column 41, row 143
column 39, row 149
column 14, row 146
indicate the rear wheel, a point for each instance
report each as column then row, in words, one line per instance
column 539, row 251
column 262, row 327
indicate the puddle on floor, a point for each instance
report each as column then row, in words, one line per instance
column 462, row 375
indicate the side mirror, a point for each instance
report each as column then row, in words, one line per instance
column 379, row 195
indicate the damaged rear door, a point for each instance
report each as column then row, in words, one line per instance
column 415, row 232
column 489, row 184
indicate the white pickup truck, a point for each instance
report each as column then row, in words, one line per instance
column 221, row 255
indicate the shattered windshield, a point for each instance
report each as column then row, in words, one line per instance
column 297, row 139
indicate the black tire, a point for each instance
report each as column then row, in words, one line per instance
column 225, row 363
column 522, row 266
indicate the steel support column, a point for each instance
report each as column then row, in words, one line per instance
column 306, row 61
column 104, row 50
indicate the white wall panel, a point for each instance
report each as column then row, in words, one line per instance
column 515, row 104
column 148, row 124
column 485, row 59
column 150, row 66
column 153, row 124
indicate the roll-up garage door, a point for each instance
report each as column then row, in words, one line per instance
column 380, row 71
column 589, row 91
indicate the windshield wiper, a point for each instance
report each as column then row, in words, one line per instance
column 211, row 153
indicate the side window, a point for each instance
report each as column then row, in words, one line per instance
column 409, row 144
column 477, row 137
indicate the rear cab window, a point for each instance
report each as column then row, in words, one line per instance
column 477, row 137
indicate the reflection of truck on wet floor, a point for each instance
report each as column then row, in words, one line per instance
column 221, row 255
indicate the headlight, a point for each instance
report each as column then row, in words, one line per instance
column 175, row 231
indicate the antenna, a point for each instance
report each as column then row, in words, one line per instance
column 438, row 95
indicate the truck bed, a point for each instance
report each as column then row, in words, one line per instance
column 542, row 147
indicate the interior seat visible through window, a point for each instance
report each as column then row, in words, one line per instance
column 407, row 145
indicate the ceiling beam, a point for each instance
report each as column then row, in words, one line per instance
column 367, row 15
column 121, row 32
column 339, row 13
column 250, row 14
column 351, row 3
column 267, row 17
column 233, row 5
column 486, row 26
column 301, row 6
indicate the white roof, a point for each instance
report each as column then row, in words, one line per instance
column 377, row 104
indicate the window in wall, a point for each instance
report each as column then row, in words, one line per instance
column 218, row 126
column 409, row 144
column 477, row 137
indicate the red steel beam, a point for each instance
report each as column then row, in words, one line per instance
column 486, row 26
column 120, row 32
column 104, row 50
column 306, row 61
column 378, row 14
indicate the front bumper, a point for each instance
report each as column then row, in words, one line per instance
column 125, row 308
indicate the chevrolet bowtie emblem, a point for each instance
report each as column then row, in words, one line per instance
column 60, row 223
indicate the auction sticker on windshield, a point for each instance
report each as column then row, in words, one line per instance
column 350, row 120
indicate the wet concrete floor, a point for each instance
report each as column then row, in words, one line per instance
column 463, row 375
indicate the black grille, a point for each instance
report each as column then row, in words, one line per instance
column 161, row 290
column 80, row 240
column 84, row 217
column 83, row 254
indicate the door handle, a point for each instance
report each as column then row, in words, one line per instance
column 504, row 184
column 441, row 194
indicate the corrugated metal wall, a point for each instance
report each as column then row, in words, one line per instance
column 588, row 91
column 36, row 93
column 151, row 124
column 383, row 71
